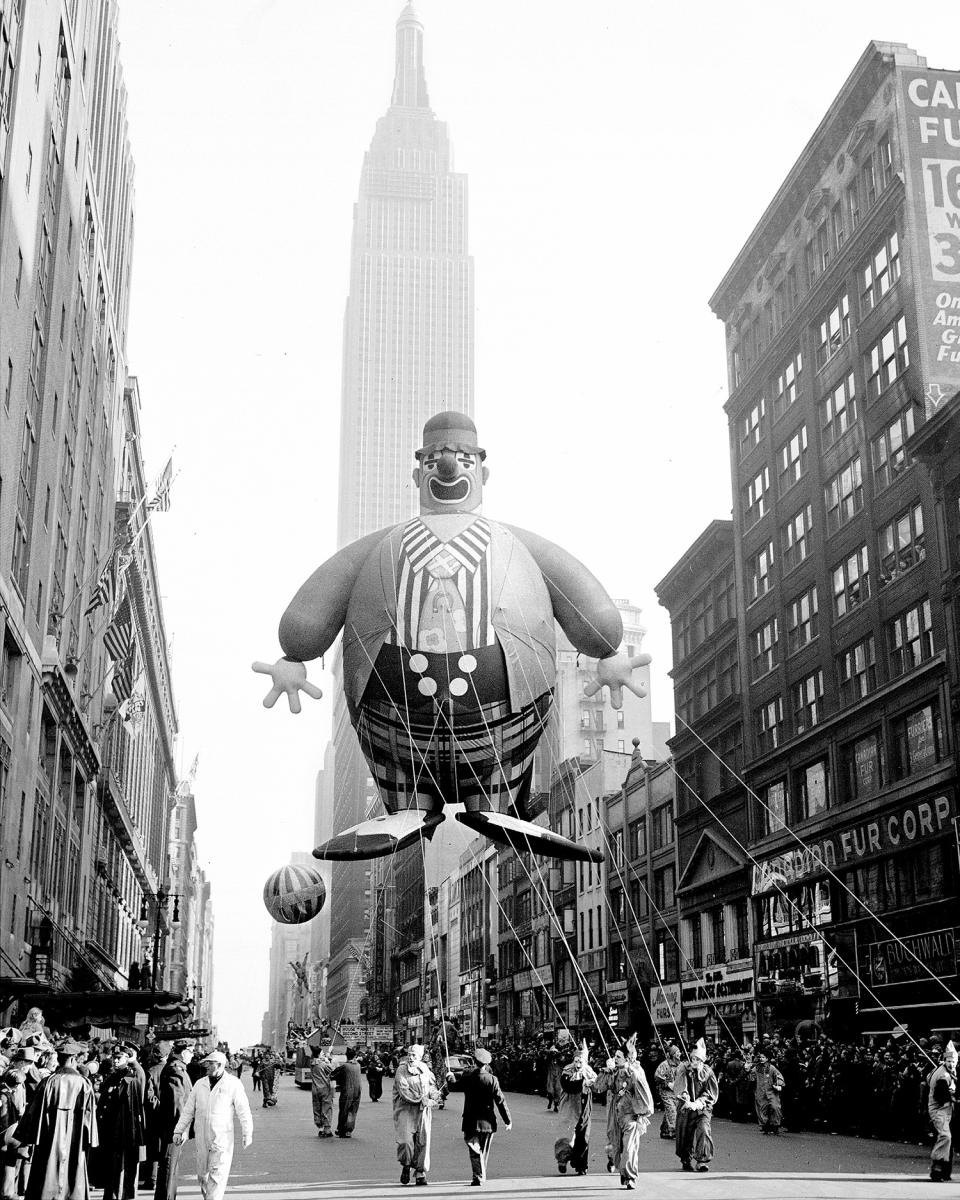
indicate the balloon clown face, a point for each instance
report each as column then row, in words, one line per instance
column 450, row 472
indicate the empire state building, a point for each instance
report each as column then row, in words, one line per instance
column 408, row 330
column 407, row 354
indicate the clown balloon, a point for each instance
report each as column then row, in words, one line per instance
column 449, row 655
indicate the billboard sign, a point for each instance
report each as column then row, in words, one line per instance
column 931, row 101
column 665, row 1004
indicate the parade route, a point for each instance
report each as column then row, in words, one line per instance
column 288, row 1160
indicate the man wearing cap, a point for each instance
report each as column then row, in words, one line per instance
column 942, row 1095
column 121, row 1122
column 482, row 1100
column 449, row 654
column 696, row 1088
column 212, row 1105
column 61, row 1125
column 174, row 1090
column 321, row 1088
column 13, row 1104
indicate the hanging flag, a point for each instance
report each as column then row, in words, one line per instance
column 118, row 638
column 185, row 786
column 161, row 501
column 192, row 773
column 136, row 707
column 122, row 685
column 106, row 589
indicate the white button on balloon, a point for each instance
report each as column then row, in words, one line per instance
column 467, row 664
column 418, row 663
column 427, row 687
column 458, row 687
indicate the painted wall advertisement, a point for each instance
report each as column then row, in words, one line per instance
column 931, row 102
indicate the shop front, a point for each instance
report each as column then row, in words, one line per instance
column 719, row 1003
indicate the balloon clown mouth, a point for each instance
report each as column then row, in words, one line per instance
column 449, row 493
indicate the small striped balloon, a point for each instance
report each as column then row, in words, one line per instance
column 294, row 894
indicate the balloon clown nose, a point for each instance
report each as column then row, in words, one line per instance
column 447, row 467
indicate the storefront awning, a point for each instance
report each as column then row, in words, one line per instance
column 69, row 1009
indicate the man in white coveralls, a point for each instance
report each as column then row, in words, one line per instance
column 212, row 1106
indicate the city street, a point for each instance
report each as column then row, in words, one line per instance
column 287, row 1159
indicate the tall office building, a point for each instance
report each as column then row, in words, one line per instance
column 407, row 354
column 840, row 314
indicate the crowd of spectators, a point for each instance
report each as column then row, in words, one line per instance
column 876, row 1088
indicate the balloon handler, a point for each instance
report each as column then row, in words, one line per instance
column 449, row 655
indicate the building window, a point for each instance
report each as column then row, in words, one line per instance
column 843, row 495
column 838, row 410
column 792, row 460
column 763, row 646
column 911, row 638
column 885, row 160
column 664, row 882
column 29, row 166
column 881, row 272
column 917, row 741
column 836, row 226
column 662, row 819
column 887, row 359
column 696, row 941
column 768, row 720
column 773, row 810
column 851, row 582
column 853, row 203
column 808, row 702
column 863, row 766
column 638, row 901
column 717, row 935
column 760, row 572
column 890, row 458
column 756, row 501
column 812, row 787
column 868, row 182
column 794, row 539
column 787, row 384
column 834, row 330
column 857, row 670
column 793, row 290
column 902, row 544
column 637, row 835
column 742, row 927
column 803, row 620
column 750, row 426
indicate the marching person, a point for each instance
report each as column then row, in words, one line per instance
column 348, row 1081
column 664, row 1076
column 606, row 1082
column 61, row 1126
column 174, row 1090
column 633, row 1107
column 321, row 1090
column 572, row 1147
column 415, row 1096
column 122, row 1130
column 696, row 1088
column 269, row 1062
column 554, row 1074
column 375, row 1077
column 768, row 1084
column 482, row 1100
column 211, row 1107
column 942, row 1095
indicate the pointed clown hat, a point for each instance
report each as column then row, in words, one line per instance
column 699, row 1051
column 631, row 1048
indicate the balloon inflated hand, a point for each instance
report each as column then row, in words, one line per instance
column 289, row 678
column 616, row 673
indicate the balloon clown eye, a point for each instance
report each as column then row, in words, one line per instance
column 466, row 460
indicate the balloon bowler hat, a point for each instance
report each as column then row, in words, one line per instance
column 450, row 431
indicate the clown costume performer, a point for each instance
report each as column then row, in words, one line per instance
column 664, row 1077
column 632, row 1107
column 943, row 1090
column 572, row 1147
column 606, row 1082
column 415, row 1096
column 697, row 1091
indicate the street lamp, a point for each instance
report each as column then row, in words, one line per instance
column 161, row 901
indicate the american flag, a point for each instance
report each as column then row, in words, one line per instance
column 123, row 679
column 106, row 589
column 118, row 638
column 161, row 501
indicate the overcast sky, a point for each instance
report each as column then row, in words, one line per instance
column 618, row 155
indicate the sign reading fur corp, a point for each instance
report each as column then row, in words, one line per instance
column 881, row 835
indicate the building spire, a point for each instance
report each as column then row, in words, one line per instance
column 409, row 84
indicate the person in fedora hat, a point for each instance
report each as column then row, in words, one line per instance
column 13, row 1103
column 60, row 1124
column 482, row 1100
